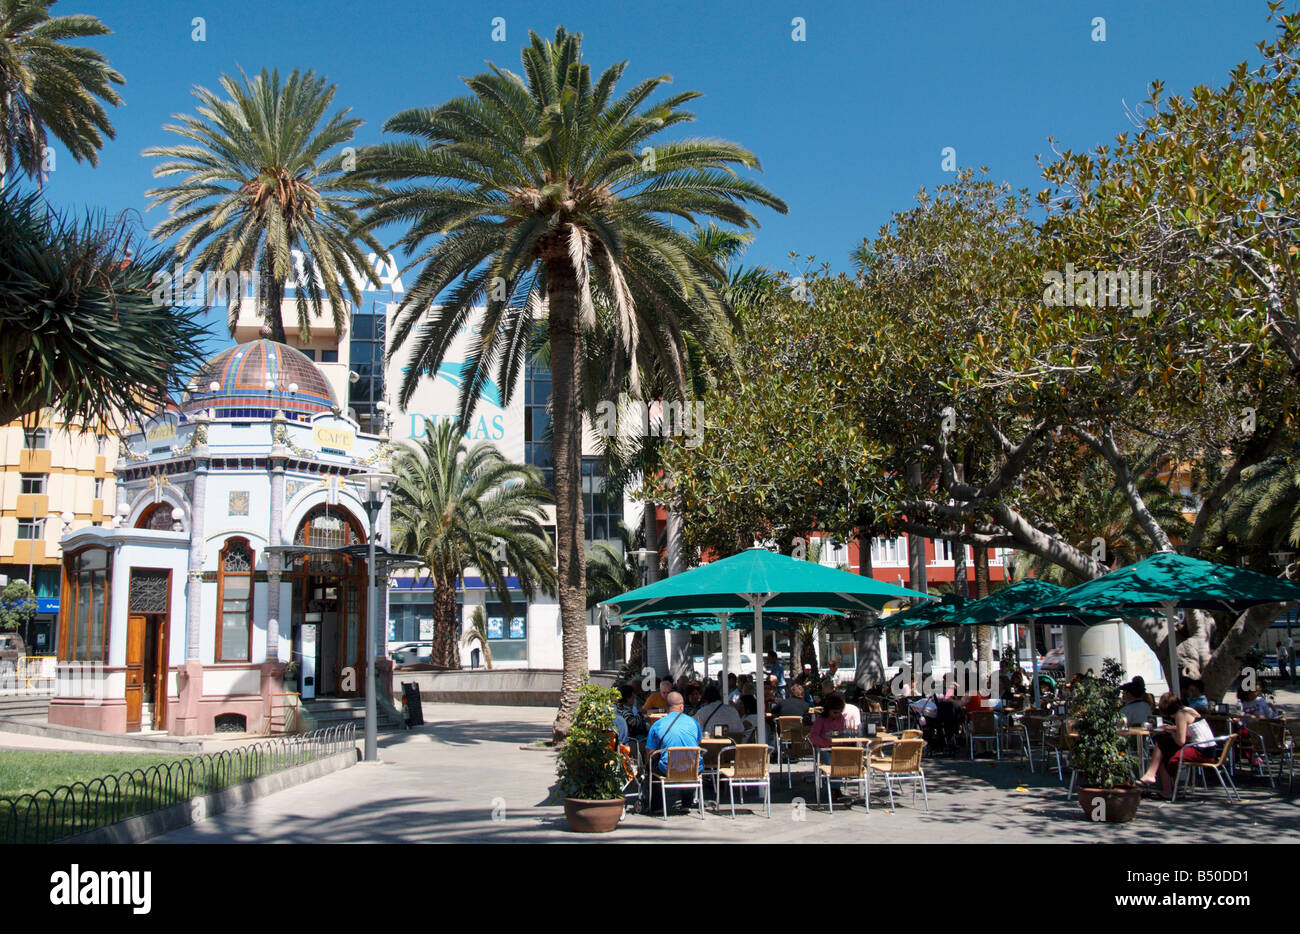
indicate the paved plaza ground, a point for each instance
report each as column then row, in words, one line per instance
column 464, row 777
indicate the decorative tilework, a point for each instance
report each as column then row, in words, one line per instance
column 293, row 487
column 238, row 503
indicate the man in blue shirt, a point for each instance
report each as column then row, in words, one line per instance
column 674, row 728
column 777, row 670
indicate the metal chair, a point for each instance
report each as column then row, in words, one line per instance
column 1218, row 765
column 681, row 770
column 848, row 764
column 983, row 727
column 790, row 731
column 1272, row 747
column 747, row 770
column 903, row 764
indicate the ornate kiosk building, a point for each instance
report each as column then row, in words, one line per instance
column 228, row 557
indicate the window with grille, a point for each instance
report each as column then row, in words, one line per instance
column 235, row 602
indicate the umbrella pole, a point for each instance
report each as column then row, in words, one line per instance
column 759, row 672
column 1033, row 656
column 726, row 663
column 1173, row 650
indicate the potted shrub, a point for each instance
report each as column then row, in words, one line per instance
column 290, row 675
column 589, row 768
column 1100, row 754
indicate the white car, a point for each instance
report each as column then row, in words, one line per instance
column 743, row 666
column 412, row 653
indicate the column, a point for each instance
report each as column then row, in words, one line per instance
column 275, row 536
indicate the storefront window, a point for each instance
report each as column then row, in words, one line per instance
column 84, row 629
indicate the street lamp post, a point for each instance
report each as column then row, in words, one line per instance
column 373, row 487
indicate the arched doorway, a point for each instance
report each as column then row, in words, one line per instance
column 329, row 603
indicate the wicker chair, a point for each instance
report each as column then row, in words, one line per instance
column 903, row 764
column 983, row 727
column 791, row 736
column 682, row 770
column 1272, row 744
column 1219, row 766
column 848, row 764
column 748, row 769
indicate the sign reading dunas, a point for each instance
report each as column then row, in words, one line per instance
column 438, row 397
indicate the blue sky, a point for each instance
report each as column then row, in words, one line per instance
column 849, row 124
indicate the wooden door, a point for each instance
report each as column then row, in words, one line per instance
column 161, row 625
column 135, row 635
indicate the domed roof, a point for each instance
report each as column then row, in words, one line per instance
column 241, row 374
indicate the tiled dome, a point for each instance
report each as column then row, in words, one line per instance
column 241, row 374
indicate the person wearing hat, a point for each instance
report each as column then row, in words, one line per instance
column 1133, row 703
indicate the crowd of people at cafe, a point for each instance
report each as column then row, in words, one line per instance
column 683, row 711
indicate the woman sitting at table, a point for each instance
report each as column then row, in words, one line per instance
column 830, row 720
column 1186, row 737
column 749, row 705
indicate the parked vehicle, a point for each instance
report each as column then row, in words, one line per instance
column 412, row 653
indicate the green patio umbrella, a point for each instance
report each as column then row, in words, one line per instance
column 1165, row 582
column 759, row 580
column 1002, row 607
column 718, row 620
column 936, row 614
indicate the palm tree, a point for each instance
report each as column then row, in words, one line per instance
column 476, row 631
column 532, row 196
column 1263, row 511
column 47, row 86
column 81, row 330
column 260, row 182
column 459, row 507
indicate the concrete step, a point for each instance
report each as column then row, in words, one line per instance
column 24, row 705
column 332, row 711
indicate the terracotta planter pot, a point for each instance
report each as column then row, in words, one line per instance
column 1120, row 803
column 593, row 816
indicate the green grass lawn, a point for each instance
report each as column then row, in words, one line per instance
column 25, row 771
column 46, row 819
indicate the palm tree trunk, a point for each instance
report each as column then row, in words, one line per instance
column 566, row 440
column 272, row 292
column 443, row 653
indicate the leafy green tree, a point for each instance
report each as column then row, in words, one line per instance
column 263, row 176
column 83, row 335
column 460, row 506
column 50, row 87
column 17, row 606
column 531, row 196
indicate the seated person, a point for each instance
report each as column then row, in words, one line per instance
column 1185, row 737
column 1133, row 704
column 714, row 713
column 1254, row 704
column 1194, row 695
column 853, row 718
column 674, row 729
column 794, row 705
column 693, row 698
column 659, row 699
column 733, row 688
column 620, row 727
column 750, row 720
column 830, row 720
column 626, row 708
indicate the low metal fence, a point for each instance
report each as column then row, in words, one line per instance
column 45, row 816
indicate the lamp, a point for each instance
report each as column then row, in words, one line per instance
column 371, row 487
column 177, row 515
